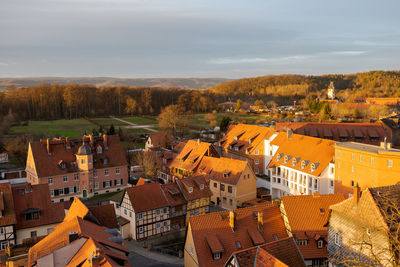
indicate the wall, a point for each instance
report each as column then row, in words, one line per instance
column 41, row 231
column 189, row 259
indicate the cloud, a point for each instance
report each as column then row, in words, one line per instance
column 247, row 60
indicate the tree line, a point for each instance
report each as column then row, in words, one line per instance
column 53, row 101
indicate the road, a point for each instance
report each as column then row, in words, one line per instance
column 132, row 125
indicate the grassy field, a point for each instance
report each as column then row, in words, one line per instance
column 140, row 120
column 70, row 128
column 108, row 122
column 200, row 121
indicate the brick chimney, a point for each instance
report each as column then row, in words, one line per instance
column 260, row 221
column 356, row 194
column 232, row 220
column 105, row 141
column 48, row 146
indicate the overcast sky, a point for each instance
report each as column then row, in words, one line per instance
column 197, row 38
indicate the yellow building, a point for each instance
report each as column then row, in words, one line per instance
column 231, row 181
column 365, row 165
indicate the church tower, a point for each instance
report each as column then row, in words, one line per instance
column 331, row 91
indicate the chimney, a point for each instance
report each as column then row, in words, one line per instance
column 105, row 141
column 232, row 220
column 289, row 133
column 91, row 139
column 356, row 195
column 48, row 146
column 315, row 194
column 260, row 221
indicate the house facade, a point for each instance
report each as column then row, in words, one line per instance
column 7, row 218
column 147, row 210
column 302, row 165
column 246, row 142
column 365, row 165
column 363, row 229
column 231, row 181
column 78, row 167
column 158, row 140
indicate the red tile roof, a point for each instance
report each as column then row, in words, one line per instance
column 141, row 200
column 105, row 214
column 245, row 137
column 297, row 149
column 191, row 155
column 282, row 252
column 48, row 165
column 173, row 194
column 357, row 132
column 161, row 139
column 222, row 169
column 307, row 215
column 215, row 226
column 194, row 182
column 36, row 197
column 7, row 208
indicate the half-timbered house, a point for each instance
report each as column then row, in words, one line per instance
column 7, row 218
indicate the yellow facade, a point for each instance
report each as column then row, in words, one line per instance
column 190, row 255
column 365, row 165
column 201, row 205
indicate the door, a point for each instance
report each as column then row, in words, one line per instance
column 84, row 193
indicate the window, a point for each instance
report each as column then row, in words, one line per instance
column 33, row 234
column 372, row 161
column 125, row 212
column 191, row 250
column 338, row 165
column 352, row 168
column 217, row 255
column 158, row 225
column 352, row 183
column 332, row 183
column 117, row 171
column 158, row 212
column 229, row 189
column 361, row 158
column 71, row 190
column 320, row 243
column 256, row 152
column 3, row 245
column 106, row 183
column 165, row 223
column 130, row 214
column 165, row 210
column 106, row 172
column 52, row 193
column 236, row 148
column 95, row 174
column 338, row 239
column 390, row 163
column 190, row 189
column 202, row 187
column 82, row 161
column 230, row 202
column 256, row 171
column 275, row 237
column 32, row 216
column 302, row 242
column 339, row 153
column 256, row 162
column 224, row 200
column 352, row 156
column 140, row 229
column 96, row 185
column 50, row 180
column 222, row 186
column 238, row 245
column 140, row 216
column 76, row 177
column 65, row 179
column 118, row 182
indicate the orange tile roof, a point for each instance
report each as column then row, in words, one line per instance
column 297, row 148
column 36, row 197
column 161, row 139
column 221, row 169
column 191, row 155
column 245, row 136
column 8, row 217
column 140, row 200
column 217, row 225
column 173, row 194
column 307, row 215
column 48, row 165
column 195, row 182
column 357, row 132
column 282, row 252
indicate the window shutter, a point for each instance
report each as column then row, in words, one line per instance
column 104, row 184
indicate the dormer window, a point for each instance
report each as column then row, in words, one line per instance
column 190, row 189
column 202, row 187
column 303, row 164
column 236, row 138
column 278, row 156
column 312, row 167
column 31, row 214
column 105, row 160
column 217, row 255
column 287, row 158
column 99, row 150
column 294, row 162
column 320, row 243
column 236, row 148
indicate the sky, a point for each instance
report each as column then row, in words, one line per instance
column 196, row 38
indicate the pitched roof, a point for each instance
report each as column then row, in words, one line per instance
column 303, row 152
column 105, row 214
column 357, row 132
column 146, row 197
column 173, row 194
column 65, row 150
column 36, row 198
column 215, row 226
column 282, row 252
column 191, row 155
column 7, row 205
column 387, row 198
column 80, row 222
column 221, row 169
column 161, row 139
column 245, row 137
column 196, row 183
column 307, row 215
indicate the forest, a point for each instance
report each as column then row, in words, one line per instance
column 348, row 87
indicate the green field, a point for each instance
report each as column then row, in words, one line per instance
column 70, row 128
column 108, row 122
column 140, row 120
column 200, row 121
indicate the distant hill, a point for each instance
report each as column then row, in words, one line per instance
column 366, row 84
column 190, row 83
